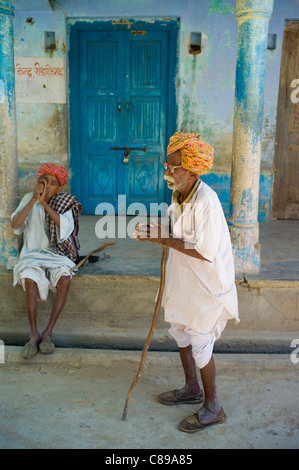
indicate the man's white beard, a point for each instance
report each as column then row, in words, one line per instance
column 171, row 182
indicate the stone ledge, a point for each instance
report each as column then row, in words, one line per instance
column 232, row 341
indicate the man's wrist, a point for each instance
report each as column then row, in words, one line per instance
column 44, row 204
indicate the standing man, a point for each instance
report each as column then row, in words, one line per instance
column 200, row 293
column 48, row 220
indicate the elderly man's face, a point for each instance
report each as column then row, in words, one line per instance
column 180, row 178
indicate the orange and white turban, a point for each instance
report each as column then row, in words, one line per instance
column 50, row 168
column 197, row 156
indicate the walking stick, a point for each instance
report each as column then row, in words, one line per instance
column 151, row 332
column 87, row 256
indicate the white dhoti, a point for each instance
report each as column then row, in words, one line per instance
column 46, row 279
column 202, row 344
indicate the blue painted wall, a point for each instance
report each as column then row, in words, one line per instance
column 205, row 83
column 220, row 182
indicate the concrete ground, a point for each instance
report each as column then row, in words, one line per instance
column 74, row 399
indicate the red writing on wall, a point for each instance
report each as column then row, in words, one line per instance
column 37, row 70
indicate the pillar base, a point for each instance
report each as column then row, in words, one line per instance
column 9, row 243
column 246, row 248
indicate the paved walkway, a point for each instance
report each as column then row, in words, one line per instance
column 75, row 400
column 279, row 241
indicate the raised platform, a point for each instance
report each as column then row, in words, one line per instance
column 111, row 302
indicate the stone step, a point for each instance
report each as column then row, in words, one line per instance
column 231, row 342
column 116, row 312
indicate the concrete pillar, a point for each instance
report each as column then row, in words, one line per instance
column 8, row 137
column 253, row 18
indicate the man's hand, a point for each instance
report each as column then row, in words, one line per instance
column 153, row 232
column 157, row 233
column 40, row 193
column 42, row 198
column 39, row 189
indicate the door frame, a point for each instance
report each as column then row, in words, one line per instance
column 74, row 26
column 283, row 117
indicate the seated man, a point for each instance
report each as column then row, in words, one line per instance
column 48, row 220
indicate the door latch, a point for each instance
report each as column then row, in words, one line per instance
column 126, row 156
column 127, row 151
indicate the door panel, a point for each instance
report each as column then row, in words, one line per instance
column 102, row 118
column 143, row 179
column 102, row 64
column 147, row 93
column 121, row 85
column 145, row 64
column 145, row 119
column 101, row 176
column 100, row 123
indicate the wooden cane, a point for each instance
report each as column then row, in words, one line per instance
column 87, row 256
column 151, row 332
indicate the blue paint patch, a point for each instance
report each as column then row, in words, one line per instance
column 2, row 92
column 265, row 198
column 7, row 73
column 220, row 182
column 250, row 75
column 7, row 247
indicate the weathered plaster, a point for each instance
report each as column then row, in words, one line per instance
column 8, row 151
column 42, row 136
column 220, row 7
column 253, row 17
column 204, row 106
column 40, row 80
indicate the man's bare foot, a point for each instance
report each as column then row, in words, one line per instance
column 46, row 337
column 34, row 339
column 46, row 345
column 30, row 348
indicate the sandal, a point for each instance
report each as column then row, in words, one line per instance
column 193, row 423
column 172, row 398
column 46, row 347
column 29, row 351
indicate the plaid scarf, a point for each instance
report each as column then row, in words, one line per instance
column 62, row 203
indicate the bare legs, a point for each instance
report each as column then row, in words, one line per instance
column 31, row 300
column 62, row 290
column 191, row 382
column 211, row 406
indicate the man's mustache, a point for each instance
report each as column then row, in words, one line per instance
column 170, row 179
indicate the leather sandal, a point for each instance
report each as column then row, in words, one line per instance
column 172, row 398
column 46, row 347
column 29, row 351
column 193, row 423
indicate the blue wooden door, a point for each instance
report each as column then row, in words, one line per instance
column 120, row 130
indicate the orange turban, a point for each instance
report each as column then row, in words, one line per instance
column 52, row 169
column 197, row 156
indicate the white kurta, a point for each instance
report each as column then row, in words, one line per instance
column 199, row 294
column 37, row 260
